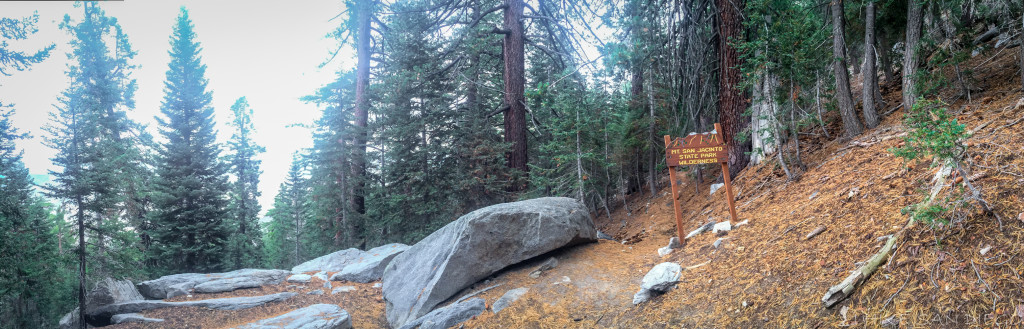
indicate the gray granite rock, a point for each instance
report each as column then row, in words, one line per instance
column 333, row 262
column 449, row 316
column 300, row 278
column 478, row 245
column 342, row 289
column 658, row 280
column 317, row 316
column 132, row 318
column 508, row 298
column 104, row 314
column 370, row 267
column 180, row 284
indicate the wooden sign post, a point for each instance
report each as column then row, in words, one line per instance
column 697, row 149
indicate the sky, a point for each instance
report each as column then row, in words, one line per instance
column 266, row 51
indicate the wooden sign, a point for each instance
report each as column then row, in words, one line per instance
column 697, row 149
column 693, row 150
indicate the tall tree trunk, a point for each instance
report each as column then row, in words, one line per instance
column 652, row 150
column 732, row 102
column 870, row 76
column 851, row 125
column 515, row 80
column 883, row 56
column 1022, row 51
column 358, row 204
column 81, row 261
column 910, row 60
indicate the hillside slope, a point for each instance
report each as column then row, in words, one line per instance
column 766, row 274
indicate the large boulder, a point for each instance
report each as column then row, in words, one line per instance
column 476, row 246
column 370, row 267
column 180, row 284
column 449, row 316
column 332, row 262
column 317, row 316
column 102, row 316
column 106, row 292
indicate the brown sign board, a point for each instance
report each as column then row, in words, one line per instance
column 697, row 149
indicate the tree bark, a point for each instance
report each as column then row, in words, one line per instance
column 358, row 203
column 883, row 56
column 910, row 60
column 1022, row 51
column 732, row 102
column 870, row 76
column 515, row 116
column 81, row 261
column 851, row 125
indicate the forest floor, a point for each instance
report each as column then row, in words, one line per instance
column 766, row 274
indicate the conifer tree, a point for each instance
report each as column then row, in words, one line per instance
column 189, row 231
column 285, row 238
column 96, row 145
column 245, row 242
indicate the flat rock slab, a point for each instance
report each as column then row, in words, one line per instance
column 317, row 316
column 449, row 316
column 333, row 262
column 132, row 318
column 508, row 298
column 477, row 245
column 104, row 314
column 300, row 278
column 180, row 284
column 370, row 267
column 342, row 289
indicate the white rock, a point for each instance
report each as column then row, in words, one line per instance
column 343, row 289
column 300, row 278
column 701, row 229
column 718, row 243
column 715, row 187
column 985, row 250
column 744, row 222
column 664, row 251
column 722, row 227
column 659, row 279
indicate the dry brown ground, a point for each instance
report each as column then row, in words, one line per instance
column 936, row 279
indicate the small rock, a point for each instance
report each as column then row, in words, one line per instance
column 664, row 251
column 641, row 296
column 715, row 187
column 853, row 192
column 547, row 265
column 891, row 322
column 602, row 235
column 718, row 243
column 1021, row 215
column 745, row 304
column 322, row 275
column 744, row 222
column 659, row 279
column 342, row 289
column 985, row 250
column 721, row 227
column 315, row 292
column 674, row 243
column 508, row 298
column 377, row 285
column 813, row 195
column 701, row 229
column 132, row 318
column 300, row 278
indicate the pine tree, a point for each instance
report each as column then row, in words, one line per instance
column 19, row 29
column 189, row 231
column 286, row 237
column 96, row 145
column 28, row 247
column 245, row 243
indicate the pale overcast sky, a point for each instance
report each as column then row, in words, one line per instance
column 267, row 51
